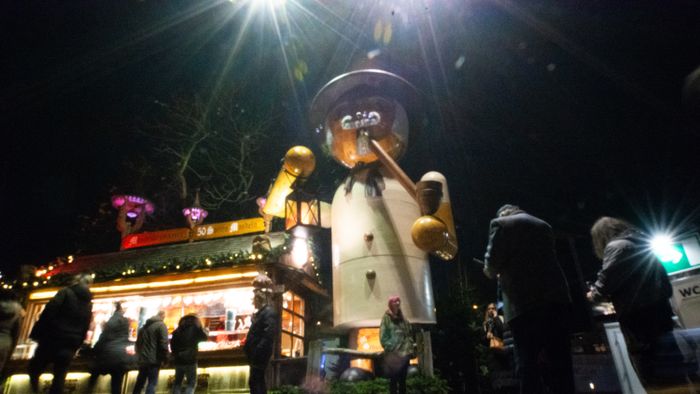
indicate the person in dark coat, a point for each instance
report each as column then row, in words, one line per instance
column 261, row 335
column 536, row 298
column 109, row 353
column 639, row 288
column 151, row 351
column 60, row 331
column 11, row 314
column 183, row 344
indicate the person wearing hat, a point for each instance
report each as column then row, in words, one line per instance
column 396, row 338
column 536, row 298
column 261, row 335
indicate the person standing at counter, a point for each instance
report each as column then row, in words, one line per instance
column 184, row 345
column 151, row 351
column 536, row 298
column 639, row 288
column 396, row 338
column 60, row 331
column 109, row 353
column 261, row 335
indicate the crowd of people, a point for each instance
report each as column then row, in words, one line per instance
column 62, row 328
column 529, row 342
column 537, row 303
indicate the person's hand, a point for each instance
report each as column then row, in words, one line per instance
column 589, row 296
column 489, row 335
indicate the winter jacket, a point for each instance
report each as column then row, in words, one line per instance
column 261, row 336
column 184, row 343
column 521, row 253
column 66, row 317
column 110, row 350
column 636, row 283
column 395, row 335
column 152, row 342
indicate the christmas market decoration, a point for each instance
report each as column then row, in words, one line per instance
column 364, row 119
column 50, row 276
column 198, row 233
column 132, row 212
column 298, row 163
column 195, row 214
column 304, row 212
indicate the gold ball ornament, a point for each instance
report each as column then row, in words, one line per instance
column 429, row 233
column 300, row 161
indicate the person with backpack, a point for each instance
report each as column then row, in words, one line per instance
column 183, row 344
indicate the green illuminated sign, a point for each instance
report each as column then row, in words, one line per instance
column 674, row 259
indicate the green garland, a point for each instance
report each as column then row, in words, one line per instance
column 173, row 265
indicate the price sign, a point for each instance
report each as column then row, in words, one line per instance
column 207, row 231
column 228, row 229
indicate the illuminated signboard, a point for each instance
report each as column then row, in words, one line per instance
column 228, row 229
column 207, row 231
column 681, row 256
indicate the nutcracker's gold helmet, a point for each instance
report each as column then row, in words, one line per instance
column 361, row 105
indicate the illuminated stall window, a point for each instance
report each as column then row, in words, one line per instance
column 292, row 343
column 225, row 313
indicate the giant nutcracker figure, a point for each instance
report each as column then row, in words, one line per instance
column 383, row 225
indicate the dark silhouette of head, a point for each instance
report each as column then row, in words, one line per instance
column 605, row 230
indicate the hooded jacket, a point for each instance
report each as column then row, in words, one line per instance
column 395, row 335
column 152, row 342
column 185, row 340
column 110, row 349
column 66, row 317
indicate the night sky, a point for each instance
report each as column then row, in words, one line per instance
column 572, row 110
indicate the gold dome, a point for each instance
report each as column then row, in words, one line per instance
column 300, row 161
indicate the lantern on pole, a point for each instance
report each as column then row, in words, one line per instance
column 304, row 213
column 132, row 212
column 195, row 214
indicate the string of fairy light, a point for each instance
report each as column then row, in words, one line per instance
column 44, row 276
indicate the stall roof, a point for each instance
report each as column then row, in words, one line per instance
column 183, row 251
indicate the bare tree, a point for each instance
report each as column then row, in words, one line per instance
column 190, row 145
column 198, row 145
column 208, row 146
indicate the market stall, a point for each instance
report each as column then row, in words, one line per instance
column 209, row 278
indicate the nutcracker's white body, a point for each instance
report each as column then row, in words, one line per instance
column 373, row 234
